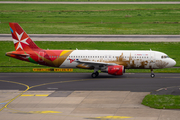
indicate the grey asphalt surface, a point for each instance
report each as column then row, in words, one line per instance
column 134, row 82
column 96, row 38
column 77, row 96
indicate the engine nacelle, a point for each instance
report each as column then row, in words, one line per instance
column 114, row 70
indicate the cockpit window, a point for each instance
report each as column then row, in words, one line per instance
column 164, row 57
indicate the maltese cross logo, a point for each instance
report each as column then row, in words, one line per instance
column 19, row 41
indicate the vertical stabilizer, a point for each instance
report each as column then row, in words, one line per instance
column 22, row 41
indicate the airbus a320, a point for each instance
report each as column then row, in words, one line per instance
column 113, row 62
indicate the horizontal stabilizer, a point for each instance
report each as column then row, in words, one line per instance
column 20, row 55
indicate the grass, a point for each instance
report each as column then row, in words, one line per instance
column 8, row 64
column 92, row 19
column 97, row 0
column 162, row 101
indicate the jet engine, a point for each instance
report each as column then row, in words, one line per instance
column 114, row 70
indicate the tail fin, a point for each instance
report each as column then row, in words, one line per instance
column 22, row 41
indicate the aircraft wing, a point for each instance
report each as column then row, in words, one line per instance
column 92, row 63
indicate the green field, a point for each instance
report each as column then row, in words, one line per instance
column 92, row 19
column 162, row 101
column 97, row 0
column 8, row 64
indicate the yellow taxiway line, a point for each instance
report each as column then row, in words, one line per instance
column 17, row 95
column 39, row 95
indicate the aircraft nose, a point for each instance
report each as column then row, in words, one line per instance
column 172, row 63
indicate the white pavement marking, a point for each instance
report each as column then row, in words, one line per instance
column 84, row 105
column 23, row 2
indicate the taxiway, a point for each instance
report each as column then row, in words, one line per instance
column 97, row 38
column 77, row 96
column 134, row 82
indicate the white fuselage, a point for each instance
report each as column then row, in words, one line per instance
column 130, row 59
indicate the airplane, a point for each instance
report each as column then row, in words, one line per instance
column 113, row 62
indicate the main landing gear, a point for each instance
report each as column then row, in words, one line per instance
column 152, row 74
column 95, row 74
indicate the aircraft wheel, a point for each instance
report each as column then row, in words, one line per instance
column 95, row 74
column 152, row 75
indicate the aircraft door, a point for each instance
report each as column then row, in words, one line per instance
column 41, row 57
column 152, row 59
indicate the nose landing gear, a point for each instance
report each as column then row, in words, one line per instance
column 152, row 74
